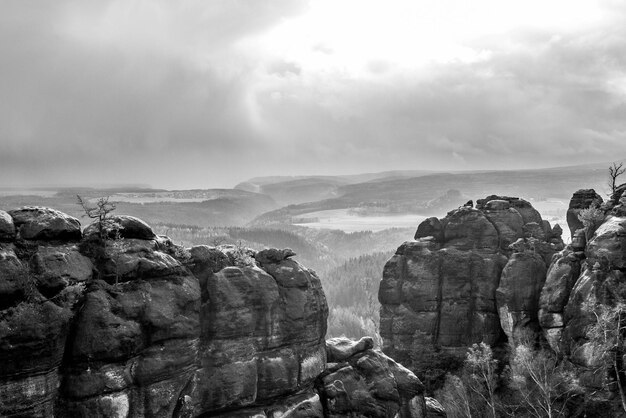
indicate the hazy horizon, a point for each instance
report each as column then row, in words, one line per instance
column 120, row 185
column 200, row 94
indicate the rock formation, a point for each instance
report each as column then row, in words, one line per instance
column 585, row 281
column 466, row 278
column 582, row 199
column 135, row 326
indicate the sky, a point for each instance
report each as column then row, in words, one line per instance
column 202, row 94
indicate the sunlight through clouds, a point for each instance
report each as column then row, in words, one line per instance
column 297, row 86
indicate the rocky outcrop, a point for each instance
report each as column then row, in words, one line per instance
column 518, row 294
column 37, row 223
column 474, row 275
column 582, row 199
column 135, row 326
column 561, row 277
column 140, row 327
column 125, row 226
column 361, row 381
column 7, row 228
column 585, row 283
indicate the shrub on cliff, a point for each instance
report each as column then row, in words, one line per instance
column 592, row 218
column 543, row 385
column 607, row 338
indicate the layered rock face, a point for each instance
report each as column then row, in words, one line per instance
column 584, row 282
column 143, row 328
column 466, row 278
column 138, row 327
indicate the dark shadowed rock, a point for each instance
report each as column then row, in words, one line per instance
column 37, row 223
column 368, row 383
column 126, row 226
column 560, row 280
column 618, row 193
column 273, row 255
column 579, row 240
column 32, row 343
column 582, row 199
column 430, row 227
column 13, row 277
column 468, row 229
column 508, row 221
column 265, row 333
column 7, row 228
column 518, row 294
column 56, row 267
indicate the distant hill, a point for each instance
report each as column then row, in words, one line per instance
column 421, row 194
column 286, row 190
column 202, row 207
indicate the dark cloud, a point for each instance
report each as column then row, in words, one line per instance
column 171, row 98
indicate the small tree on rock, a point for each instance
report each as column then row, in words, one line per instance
column 101, row 211
column 615, row 170
column 543, row 383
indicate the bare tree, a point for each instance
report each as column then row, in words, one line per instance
column 101, row 212
column 607, row 335
column 615, row 170
column 543, row 383
column 483, row 376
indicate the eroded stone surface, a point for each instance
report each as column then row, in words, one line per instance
column 368, row 383
column 138, row 327
column 438, row 296
column 7, row 228
column 38, row 223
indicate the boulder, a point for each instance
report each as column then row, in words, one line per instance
column 56, row 267
column 508, row 221
column 608, row 244
column 582, row 199
column 469, row 229
column 339, row 349
column 368, row 383
column 7, row 228
column 126, row 226
column 525, row 209
column 273, row 255
column 45, row 224
column 434, row 408
column 430, row 227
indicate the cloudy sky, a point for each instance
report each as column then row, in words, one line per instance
column 198, row 94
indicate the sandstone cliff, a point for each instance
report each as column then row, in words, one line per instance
column 139, row 327
column 584, row 282
column 474, row 275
